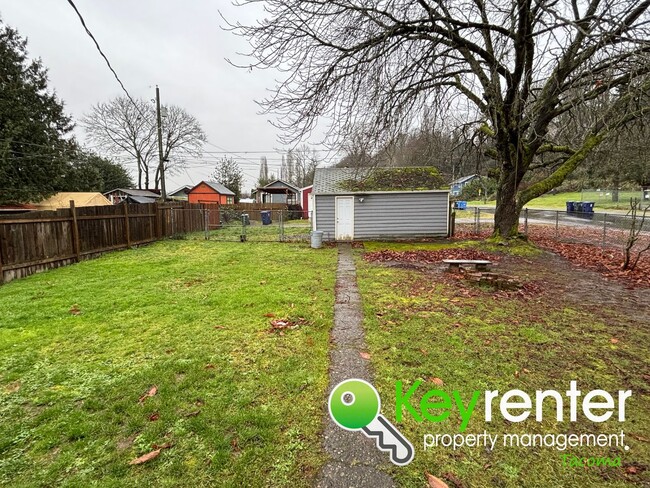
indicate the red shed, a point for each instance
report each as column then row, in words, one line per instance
column 211, row 192
column 306, row 201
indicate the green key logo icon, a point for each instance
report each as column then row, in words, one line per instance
column 354, row 404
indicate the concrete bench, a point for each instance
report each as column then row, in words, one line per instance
column 479, row 264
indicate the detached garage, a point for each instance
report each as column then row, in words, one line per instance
column 351, row 204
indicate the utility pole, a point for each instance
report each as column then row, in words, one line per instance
column 161, row 162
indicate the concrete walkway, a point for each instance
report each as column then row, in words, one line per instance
column 354, row 458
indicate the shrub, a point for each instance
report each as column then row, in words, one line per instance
column 479, row 188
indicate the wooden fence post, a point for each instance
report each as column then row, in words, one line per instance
column 75, row 231
column 127, row 227
column 2, row 276
column 156, row 221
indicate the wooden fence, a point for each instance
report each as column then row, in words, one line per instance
column 37, row 241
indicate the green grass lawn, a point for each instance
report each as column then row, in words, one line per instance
column 79, row 346
column 420, row 329
column 603, row 200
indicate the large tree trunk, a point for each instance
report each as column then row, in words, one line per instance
column 506, row 216
column 139, row 171
column 617, row 182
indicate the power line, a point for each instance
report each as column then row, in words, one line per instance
column 108, row 63
column 272, row 151
column 222, row 149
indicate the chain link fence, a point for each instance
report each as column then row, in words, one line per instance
column 233, row 225
column 605, row 229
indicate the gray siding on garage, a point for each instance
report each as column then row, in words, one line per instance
column 389, row 215
column 325, row 215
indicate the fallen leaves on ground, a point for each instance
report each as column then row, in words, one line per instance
column 166, row 445
column 75, row 310
column 527, row 291
column 234, row 445
column 364, row 355
column 280, row 325
column 154, row 416
column 429, row 257
column 151, row 455
column 435, row 482
column 145, row 458
column 437, row 381
column 152, row 391
column 606, row 261
column 454, row 479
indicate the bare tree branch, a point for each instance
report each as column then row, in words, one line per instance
column 529, row 68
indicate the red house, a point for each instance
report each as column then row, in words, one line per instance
column 306, row 201
column 211, row 192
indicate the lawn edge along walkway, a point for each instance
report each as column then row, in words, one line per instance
column 354, row 459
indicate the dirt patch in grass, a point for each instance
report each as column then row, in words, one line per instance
column 126, row 443
column 605, row 260
column 466, row 284
column 583, row 288
column 430, row 257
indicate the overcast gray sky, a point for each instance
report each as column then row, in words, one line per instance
column 177, row 45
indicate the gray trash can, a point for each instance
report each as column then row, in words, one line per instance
column 316, row 239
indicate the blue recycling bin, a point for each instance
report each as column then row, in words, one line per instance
column 577, row 206
column 588, row 207
column 461, row 205
column 570, row 207
column 266, row 217
column 588, row 210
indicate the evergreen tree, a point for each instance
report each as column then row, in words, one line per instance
column 90, row 172
column 228, row 173
column 263, row 179
column 34, row 150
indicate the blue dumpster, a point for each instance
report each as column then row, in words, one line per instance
column 577, row 206
column 570, row 207
column 266, row 217
column 461, row 205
